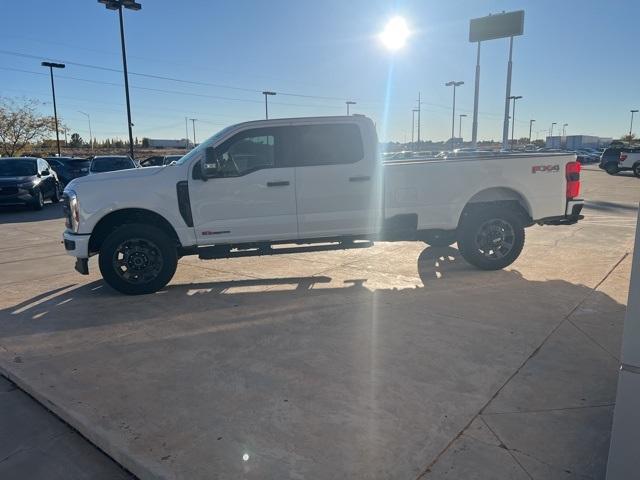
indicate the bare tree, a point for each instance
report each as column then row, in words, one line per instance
column 21, row 124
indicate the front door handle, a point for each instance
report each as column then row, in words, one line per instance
column 280, row 183
column 364, row 178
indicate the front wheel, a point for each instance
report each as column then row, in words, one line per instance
column 491, row 239
column 37, row 203
column 57, row 193
column 636, row 170
column 137, row 259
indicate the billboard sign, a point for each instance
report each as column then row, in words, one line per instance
column 501, row 25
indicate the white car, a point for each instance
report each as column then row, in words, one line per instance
column 304, row 181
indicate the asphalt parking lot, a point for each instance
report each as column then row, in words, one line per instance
column 396, row 361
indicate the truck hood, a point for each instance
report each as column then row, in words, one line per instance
column 134, row 174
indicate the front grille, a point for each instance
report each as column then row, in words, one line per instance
column 8, row 190
column 67, row 210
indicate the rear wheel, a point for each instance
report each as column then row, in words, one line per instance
column 137, row 259
column 611, row 168
column 636, row 170
column 492, row 238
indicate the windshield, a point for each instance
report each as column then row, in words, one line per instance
column 195, row 153
column 17, row 168
column 110, row 164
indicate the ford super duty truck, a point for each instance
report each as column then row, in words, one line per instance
column 315, row 183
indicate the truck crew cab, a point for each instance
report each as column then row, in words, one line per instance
column 256, row 185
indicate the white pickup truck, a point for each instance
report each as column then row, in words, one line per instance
column 312, row 182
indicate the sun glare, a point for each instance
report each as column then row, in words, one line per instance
column 395, row 33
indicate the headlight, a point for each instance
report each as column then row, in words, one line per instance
column 71, row 208
column 27, row 185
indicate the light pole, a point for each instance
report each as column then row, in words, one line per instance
column 419, row 112
column 90, row 134
column 631, row 126
column 460, row 117
column 551, row 130
column 266, row 104
column 193, row 123
column 453, row 84
column 530, row 126
column 513, row 116
column 186, row 133
column 117, row 5
column 564, row 128
column 51, row 66
column 347, row 103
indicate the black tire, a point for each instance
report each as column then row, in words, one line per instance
column 57, row 193
column 611, row 168
column 491, row 238
column 137, row 259
column 37, row 203
column 636, row 170
column 439, row 238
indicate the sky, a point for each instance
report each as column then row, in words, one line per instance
column 576, row 64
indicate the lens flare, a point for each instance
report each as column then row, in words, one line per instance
column 395, row 33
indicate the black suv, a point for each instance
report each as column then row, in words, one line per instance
column 28, row 181
column 69, row 168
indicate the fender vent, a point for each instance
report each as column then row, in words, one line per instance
column 184, row 203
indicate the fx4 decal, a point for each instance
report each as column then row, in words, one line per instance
column 545, row 168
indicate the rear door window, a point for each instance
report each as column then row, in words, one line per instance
column 329, row 144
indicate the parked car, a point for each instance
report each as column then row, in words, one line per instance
column 305, row 181
column 68, row 168
column 612, row 160
column 153, row 161
column 28, row 181
column 111, row 163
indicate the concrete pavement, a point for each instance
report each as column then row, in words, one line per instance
column 395, row 361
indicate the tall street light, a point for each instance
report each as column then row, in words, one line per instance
column 453, row 84
column 530, row 125
column 564, row 129
column 51, row 66
column 631, row 126
column 551, row 130
column 460, row 117
column 348, row 103
column 266, row 104
column 513, row 116
column 419, row 109
column 90, row 134
column 193, row 123
column 118, row 5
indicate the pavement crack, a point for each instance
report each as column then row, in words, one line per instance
column 504, row 445
column 545, row 410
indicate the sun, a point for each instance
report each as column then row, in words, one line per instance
column 395, row 34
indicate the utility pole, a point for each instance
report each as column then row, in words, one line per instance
column 413, row 125
column 266, row 104
column 349, row 102
column 455, row 85
column 530, row 126
column 513, row 116
column 51, row 66
column 193, row 122
column 186, row 133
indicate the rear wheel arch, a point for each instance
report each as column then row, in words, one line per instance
column 139, row 216
column 498, row 197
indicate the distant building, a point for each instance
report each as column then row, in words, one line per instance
column 574, row 142
column 162, row 143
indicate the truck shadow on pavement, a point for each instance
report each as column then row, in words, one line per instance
column 349, row 348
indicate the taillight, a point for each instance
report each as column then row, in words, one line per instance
column 622, row 157
column 572, row 171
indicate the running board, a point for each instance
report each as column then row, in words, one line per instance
column 225, row 251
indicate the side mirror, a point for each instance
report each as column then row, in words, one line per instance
column 45, row 172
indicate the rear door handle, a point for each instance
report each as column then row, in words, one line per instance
column 364, row 178
column 280, row 183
